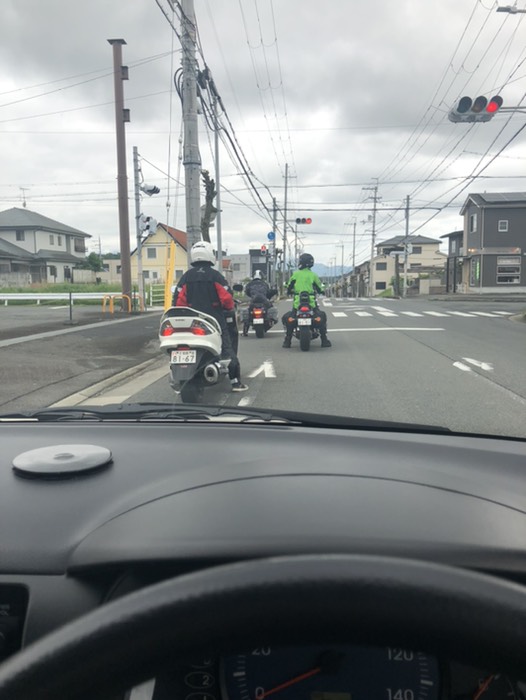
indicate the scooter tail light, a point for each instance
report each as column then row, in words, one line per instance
column 199, row 328
column 304, row 308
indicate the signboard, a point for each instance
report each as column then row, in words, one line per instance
column 494, row 251
column 271, row 235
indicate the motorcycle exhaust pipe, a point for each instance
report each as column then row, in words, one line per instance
column 211, row 373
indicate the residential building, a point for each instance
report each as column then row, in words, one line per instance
column 44, row 250
column 455, row 260
column 240, row 267
column 155, row 255
column 426, row 264
column 493, row 243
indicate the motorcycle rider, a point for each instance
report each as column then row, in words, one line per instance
column 205, row 289
column 258, row 291
column 305, row 280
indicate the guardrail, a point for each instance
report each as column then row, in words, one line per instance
column 56, row 296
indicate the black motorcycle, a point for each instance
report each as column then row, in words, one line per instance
column 307, row 322
column 260, row 315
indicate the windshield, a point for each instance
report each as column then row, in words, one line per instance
column 282, row 206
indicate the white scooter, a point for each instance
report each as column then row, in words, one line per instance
column 193, row 341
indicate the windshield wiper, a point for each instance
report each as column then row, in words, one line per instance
column 189, row 413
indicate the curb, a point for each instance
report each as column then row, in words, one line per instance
column 80, row 396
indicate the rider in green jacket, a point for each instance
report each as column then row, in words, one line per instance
column 305, row 280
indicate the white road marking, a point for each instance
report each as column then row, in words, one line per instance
column 462, row 366
column 434, row 313
column 245, row 401
column 266, row 367
column 461, row 313
column 387, row 313
column 377, row 328
column 485, row 313
column 327, row 303
column 411, row 313
column 59, row 307
column 339, row 314
column 362, row 313
column 379, row 308
column 477, row 363
column 503, row 313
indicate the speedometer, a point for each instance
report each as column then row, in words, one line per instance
column 330, row 673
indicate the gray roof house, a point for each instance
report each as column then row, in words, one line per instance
column 38, row 247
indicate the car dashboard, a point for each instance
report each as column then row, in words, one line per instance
column 172, row 498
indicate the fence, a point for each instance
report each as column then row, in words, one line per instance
column 156, row 295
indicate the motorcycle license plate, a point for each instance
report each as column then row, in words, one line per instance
column 183, row 357
column 304, row 321
column 258, row 320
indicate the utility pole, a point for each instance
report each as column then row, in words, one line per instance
column 406, row 243
column 191, row 156
column 120, row 73
column 218, row 185
column 273, row 268
column 373, row 234
column 343, row 276
column 354, row 258
column 138, row 232
column 285, row 225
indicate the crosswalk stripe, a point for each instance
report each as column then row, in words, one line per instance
column 339, row 314
column 461, row 313
column 387, row 313
column 485, row 313
column 362, row 313
column 434, row 313
column 411, row 313
column 503, row 313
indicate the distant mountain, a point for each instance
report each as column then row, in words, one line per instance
column 327, row 271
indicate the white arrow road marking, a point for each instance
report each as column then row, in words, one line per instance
column 477, row 363
column 462, row 366
column 267, row 368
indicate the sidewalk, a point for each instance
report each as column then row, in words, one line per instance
column 507, row 298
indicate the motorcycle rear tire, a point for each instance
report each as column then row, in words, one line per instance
column 305, row 334
column 260, row 331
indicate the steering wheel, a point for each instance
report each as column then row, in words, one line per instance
column 468, row 616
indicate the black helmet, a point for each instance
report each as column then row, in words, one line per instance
column 306, row 260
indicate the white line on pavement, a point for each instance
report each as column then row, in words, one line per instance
column 411, row 313
column 461, row 313
column 52, row 334
column 484, row 313
column 246, row 401
column 434, row 313
column 387, row 313
column 462, row 366
column 339, row 314
column 477, row 363
column 267, row 367
column 379, row 328
column 362, row 313
column 503, row 313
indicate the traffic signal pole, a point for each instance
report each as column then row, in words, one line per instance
column 191, row 156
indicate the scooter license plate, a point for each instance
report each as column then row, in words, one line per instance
column 258, row 320
column 304, row 321
column 183, row 357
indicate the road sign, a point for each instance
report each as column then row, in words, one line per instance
column 271, row 235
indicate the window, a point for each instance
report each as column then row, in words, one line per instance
column 509, row 269
column 59, row 240
column 152, row 253
column 412, row 265
column 381, row 285
column 51, row 239
column 381, row 266
column 503, row 225
column 454, row 246
column 20, row 235
column 472, row 223
column 119, row 268
column 237, row 267
column 105, row 267
column 417, row 250
column 178, row 274
column 146, row 274
column 155, row 275
column 79, row 245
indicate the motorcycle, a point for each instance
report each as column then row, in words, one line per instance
column 307, row 324
column 260, row 315
column 193, row 341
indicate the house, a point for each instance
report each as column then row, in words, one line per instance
column 240, row 267
column 425, row 261
column 15, row 265
column 156, row 252
column 455, row 260
column 44, row 249
column 493, row 243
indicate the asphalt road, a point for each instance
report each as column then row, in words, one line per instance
column 459, row 365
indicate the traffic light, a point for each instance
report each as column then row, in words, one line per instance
column 263, row 249
column 478, row 110
column 147, row 223
column 304, row 221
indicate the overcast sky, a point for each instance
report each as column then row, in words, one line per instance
column 344, row 91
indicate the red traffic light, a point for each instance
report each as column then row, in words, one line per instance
column 263, row 248
column 494, row 104
column 304, row 221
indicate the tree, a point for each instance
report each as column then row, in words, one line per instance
column 209, row 210
column 92, row 262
